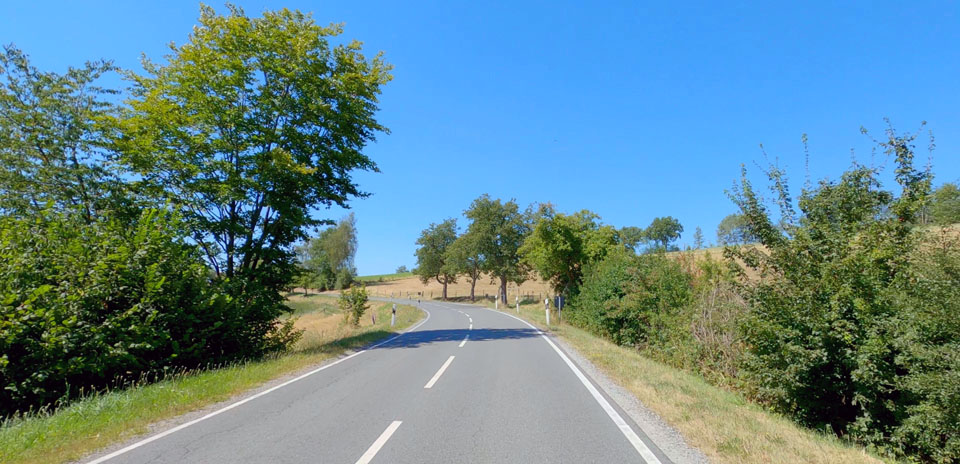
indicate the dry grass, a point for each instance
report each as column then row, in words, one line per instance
column 410, row 286
column 720, row 423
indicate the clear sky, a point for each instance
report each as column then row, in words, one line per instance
column 630, row 109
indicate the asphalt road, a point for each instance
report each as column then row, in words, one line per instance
column 468, row 384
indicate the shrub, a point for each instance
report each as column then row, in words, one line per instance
column 852, row 325
column 88, row 305
column 353, row 304
column 632, row 300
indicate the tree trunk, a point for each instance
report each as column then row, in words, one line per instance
column 473, row 285
column 503, row 290
column 444, row 290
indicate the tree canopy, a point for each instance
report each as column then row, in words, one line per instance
column 664, row 231
column 499, row 229
column 945, row 204
column 734, row 230
column 560, row 245
column 433, row 261
column 248, row 127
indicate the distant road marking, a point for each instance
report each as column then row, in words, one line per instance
column 439, row 373
column 382, row 440
column 625, row 428
column 250, row 398
column 471, row 319
column 471, row 326
column 464, row 342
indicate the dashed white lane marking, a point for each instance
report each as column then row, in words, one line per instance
column 471, row 319
column 464, row 342
column 375, row 447
column 439, row 373
column 471, row 326
column 250, row 398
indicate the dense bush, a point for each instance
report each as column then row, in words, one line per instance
column 632, row 300
column 87, row 305
column 853, row 323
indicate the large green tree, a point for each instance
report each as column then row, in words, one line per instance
column 52, row 132
column 560, row 245
column 465, row 257
column 499, row 229
column 735, row 230
column 328, row 257
column 664, row 231
column 432, row 258
column 945, row 204
column 247, row 128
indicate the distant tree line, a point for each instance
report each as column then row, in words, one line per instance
column 152, row 228
column 509, row 244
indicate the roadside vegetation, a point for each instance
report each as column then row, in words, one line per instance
column 836, row 309
column 150, row 231
column 97, row 420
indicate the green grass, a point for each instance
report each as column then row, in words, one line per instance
column 722, row 424
column 384, row 277
column 97, row 421
column 301, row 304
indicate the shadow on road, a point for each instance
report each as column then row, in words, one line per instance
column 425, row 337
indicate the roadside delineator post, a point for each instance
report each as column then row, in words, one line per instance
column 546, row 309
column 518, row 304
column 393, row 316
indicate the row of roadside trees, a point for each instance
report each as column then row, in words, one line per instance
column 509, row 244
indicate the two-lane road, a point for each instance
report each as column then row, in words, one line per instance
column 468, row 384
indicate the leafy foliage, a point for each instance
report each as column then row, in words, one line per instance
column 52, row 130
column 249, row 126
column 91, row 305
column 560, row 245
column 734, row 229
column 499, row 230
column 464, row 257
column 945, row 204
column 631, row 299
column 326, row 261
column 663, row 231
column 432, row 257
column 353, row 304
column 847, row 329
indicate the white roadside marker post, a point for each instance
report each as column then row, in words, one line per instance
column 518, row 304
column 496, row 303
column 393, row 317
column 546, row 309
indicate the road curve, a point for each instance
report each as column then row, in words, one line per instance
column 469, row 384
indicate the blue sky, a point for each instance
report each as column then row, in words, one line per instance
column 629, row 109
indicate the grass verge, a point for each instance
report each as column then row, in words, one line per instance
column 721, row 423
column 100, row 420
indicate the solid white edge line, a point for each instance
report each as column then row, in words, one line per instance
column 381, row 440
column 439, row 373
column 464, row 342
column 625, row 428
column 250, row 398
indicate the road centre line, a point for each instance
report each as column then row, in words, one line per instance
column 251, row 398
column 439, row 373
column 464, row 342
column 381, row 440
